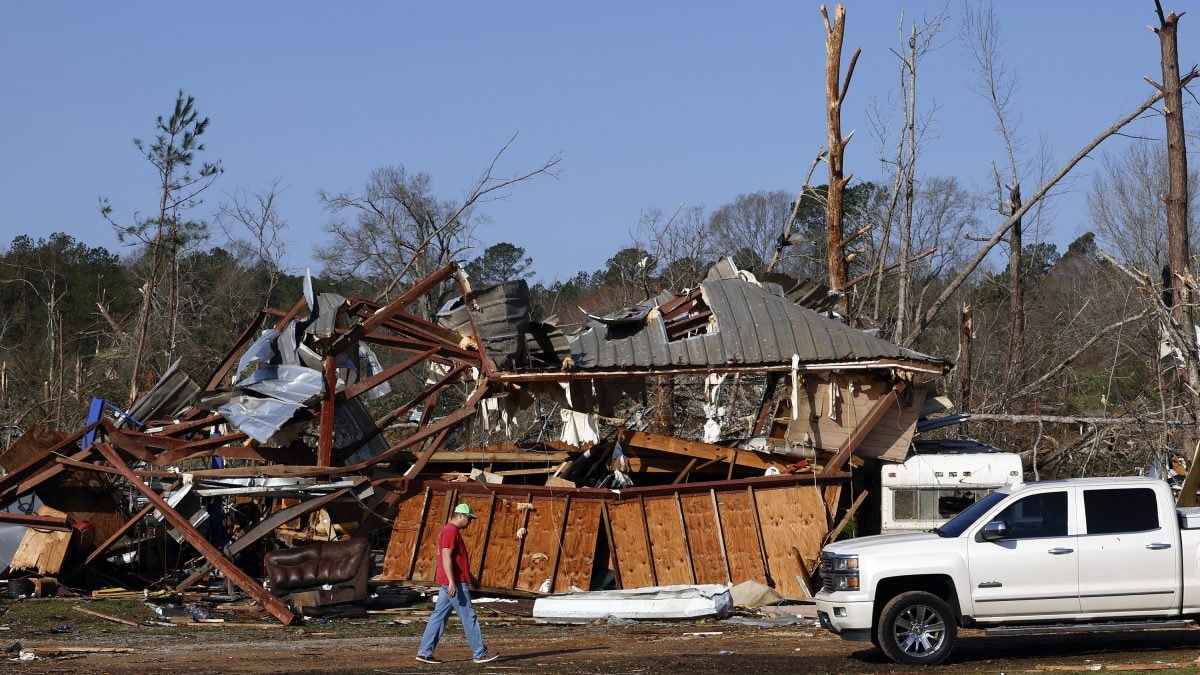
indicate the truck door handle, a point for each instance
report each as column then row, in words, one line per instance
column 1060, row 551
column 1157, row 546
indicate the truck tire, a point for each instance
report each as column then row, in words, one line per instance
column 917, row 628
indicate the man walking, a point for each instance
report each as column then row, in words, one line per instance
column 454, row 579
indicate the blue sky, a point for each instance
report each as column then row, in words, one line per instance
column 650, row 104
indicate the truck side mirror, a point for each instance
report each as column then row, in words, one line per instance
column 994, row 531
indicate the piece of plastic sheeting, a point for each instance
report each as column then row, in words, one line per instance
column 263, row 350
column 578, row 428
column 258, row 418
column 294, row 384
column 371, row 367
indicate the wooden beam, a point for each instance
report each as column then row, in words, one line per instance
column 251, row 586
column 688, row 448
column 846, row 517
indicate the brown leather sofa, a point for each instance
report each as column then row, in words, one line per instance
column 300, row 575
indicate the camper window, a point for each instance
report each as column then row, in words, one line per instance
column 932, row 503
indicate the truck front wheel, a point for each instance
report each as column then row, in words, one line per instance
column 917, row 628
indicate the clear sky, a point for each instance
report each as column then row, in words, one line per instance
column 650, row 103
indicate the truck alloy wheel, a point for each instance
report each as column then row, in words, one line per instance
column 917, row 628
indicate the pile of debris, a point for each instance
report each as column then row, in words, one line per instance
column 296, row 439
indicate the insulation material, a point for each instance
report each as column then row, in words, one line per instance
column 579, row 429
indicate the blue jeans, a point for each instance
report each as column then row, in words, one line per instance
column 461, row 603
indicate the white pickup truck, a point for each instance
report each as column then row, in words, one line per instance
column 1084, row 555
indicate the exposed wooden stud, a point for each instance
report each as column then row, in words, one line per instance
column 646, row 535
column 412, row 562
column 521, row 540
column 721, row 536
column 687, row 541
column 762, row 546
column 612, row 544
column 562, row 533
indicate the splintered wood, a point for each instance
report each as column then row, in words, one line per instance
column 539, row 539
column 42, row 550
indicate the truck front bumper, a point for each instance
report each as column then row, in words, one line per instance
column 851, row 620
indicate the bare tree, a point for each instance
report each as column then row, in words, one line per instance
column 1125, row 206
column 981, row 38
column 401, row 231
column 255, row 216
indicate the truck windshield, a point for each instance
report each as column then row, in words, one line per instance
column 962, row 521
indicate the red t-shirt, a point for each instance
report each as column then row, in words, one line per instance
column 451, row 539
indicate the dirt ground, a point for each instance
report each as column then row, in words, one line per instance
column 375, row 644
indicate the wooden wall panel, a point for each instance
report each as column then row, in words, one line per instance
column 500, row 559
column 741, row 538
column 578, row 552
column 542, row 542
column 629, row 539
column 668, row 547
column 791, row 518
column 399, row 556
column 707, row 557
column 475, row 536
column 435, row 520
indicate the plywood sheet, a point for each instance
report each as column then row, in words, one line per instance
column 42, row 550
column 579, row 546
column 791, row 518
column 741, row 538
column 668, row 546
column 476, row 533
column 503, row 542
column 435, row 520
column 708, row 558
column 401, row 546
column 629, row 539
column 542, row 542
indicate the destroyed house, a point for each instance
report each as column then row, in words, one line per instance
column 304, row 459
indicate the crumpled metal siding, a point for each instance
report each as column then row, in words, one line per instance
column 754, row 326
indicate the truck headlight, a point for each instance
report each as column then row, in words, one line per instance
column 839, row 572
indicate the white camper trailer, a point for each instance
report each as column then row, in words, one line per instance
column 930, row 488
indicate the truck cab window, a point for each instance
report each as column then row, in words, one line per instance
column 1122, row 510
column 1040, row 515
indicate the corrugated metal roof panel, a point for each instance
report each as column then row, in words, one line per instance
column 754, row 326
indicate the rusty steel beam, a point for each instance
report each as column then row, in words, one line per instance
column 385, row 421
column 56, row 523
column 453, row 418
column 384, row 375
column 325, row 434
column 252, row 587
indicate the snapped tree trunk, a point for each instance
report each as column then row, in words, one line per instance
column 835, row 94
